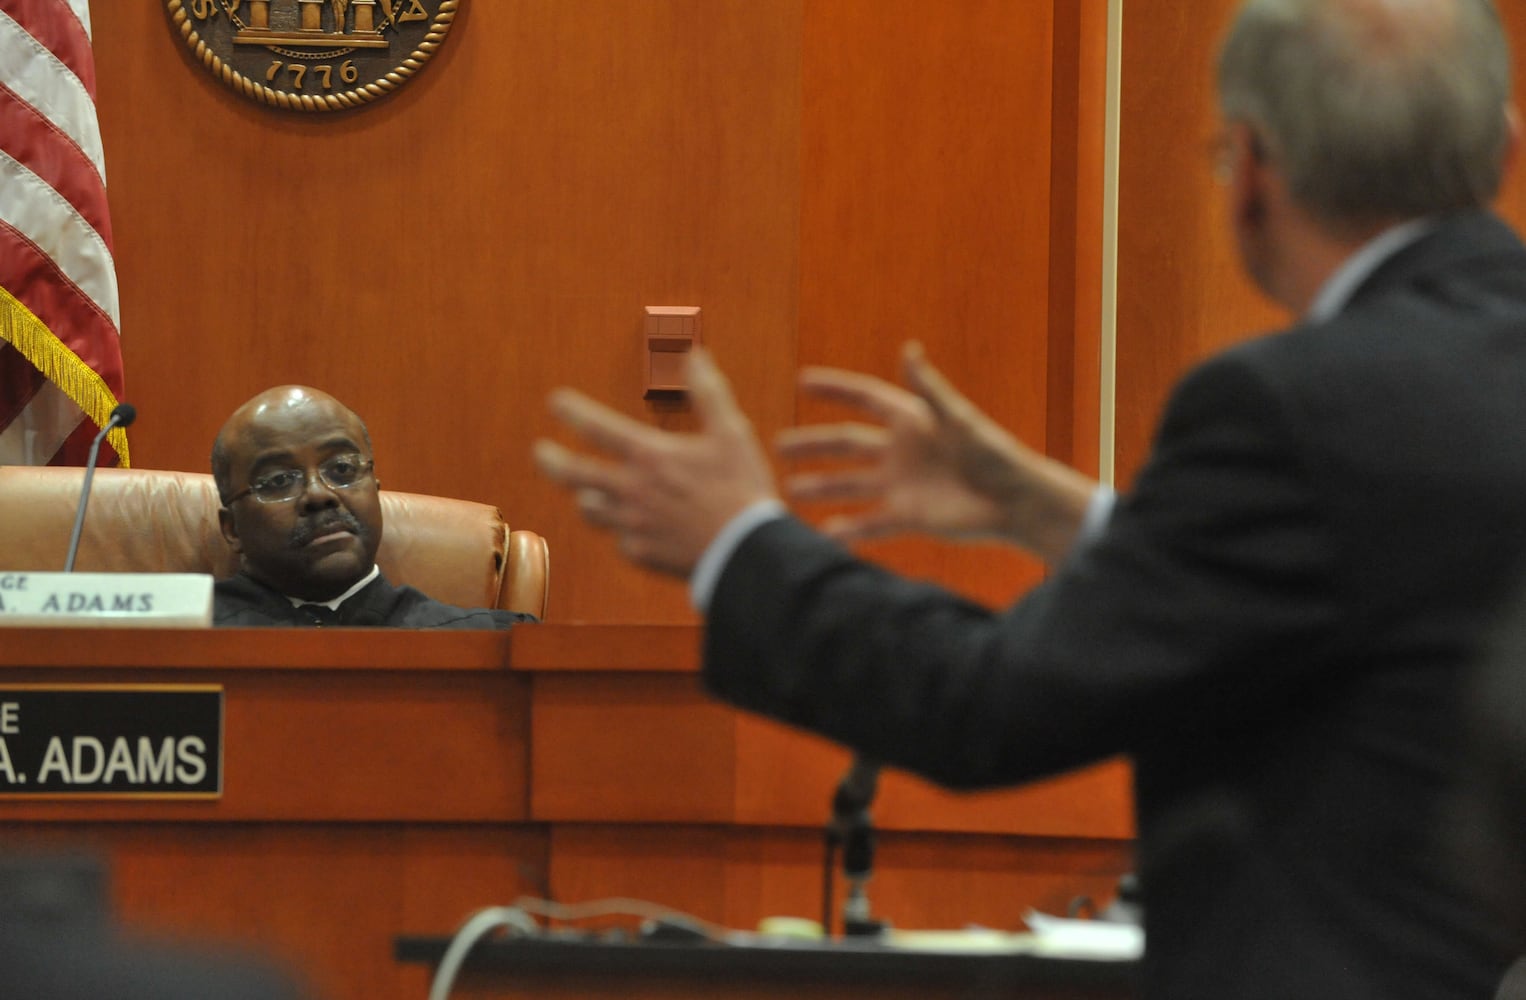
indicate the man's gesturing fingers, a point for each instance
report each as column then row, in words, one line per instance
column 577, row 472
column 597, row 424
column 948, row 404
column 714, row 403
column 874, row 396
column 851, row 441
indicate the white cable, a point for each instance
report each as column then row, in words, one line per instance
column 621, row 906
column 478, row 926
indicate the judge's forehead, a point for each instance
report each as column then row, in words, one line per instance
column 291, row 409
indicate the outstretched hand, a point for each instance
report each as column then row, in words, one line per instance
column 664, row 495
column 932, row 462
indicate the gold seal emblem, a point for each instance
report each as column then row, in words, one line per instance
column 313, row 55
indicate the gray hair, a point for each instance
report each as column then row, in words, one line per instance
column 1373, row 109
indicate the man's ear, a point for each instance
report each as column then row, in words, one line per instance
column 226, row 525
column 1512, row 151
column 1249, row 174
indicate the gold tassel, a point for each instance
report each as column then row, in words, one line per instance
column 61, row 366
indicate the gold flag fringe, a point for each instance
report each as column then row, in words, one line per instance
column 61, row 366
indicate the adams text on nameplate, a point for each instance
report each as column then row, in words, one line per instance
column 111, row 741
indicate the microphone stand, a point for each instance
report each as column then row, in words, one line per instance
column 852, row 830
column 122, row 416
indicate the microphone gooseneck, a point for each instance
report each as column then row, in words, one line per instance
column 122, row 416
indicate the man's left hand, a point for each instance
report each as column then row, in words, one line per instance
column 664, row 495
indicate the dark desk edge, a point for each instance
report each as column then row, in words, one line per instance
column 798, row 961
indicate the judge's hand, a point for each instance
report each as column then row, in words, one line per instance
column 933, row 463
column 664, row 495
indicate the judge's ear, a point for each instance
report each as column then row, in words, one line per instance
column 229, row 529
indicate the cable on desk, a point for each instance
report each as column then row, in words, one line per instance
column 478, row 926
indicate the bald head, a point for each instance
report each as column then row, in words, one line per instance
column 265, row 408
column 301, row 507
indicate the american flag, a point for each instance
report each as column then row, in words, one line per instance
column 60, row 349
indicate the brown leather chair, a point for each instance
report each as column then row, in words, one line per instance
column 146, row 520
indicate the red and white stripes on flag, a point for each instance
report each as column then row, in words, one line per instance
column 60, row 350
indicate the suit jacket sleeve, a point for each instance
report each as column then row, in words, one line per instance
column 1208, row 600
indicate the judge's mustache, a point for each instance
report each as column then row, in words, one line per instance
column 306, row 530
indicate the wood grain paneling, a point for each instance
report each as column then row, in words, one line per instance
column 1077, row 156
column 1512, row 202
column 784, row 776
column 1181, row 295
column 630, row 748
column 825, row 179
column 634, row 748
column 926, row 214
column 325, row 902
column 442, row 259
column 313, row 742
column 735, row 876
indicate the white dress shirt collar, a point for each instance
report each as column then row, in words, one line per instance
column 1342, row 285
column 333, row 605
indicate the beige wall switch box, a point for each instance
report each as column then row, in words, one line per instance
column 670, row 332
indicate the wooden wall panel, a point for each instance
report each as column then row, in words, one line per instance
column 634, row 748
column 630, row 748
column 926, row 214
column 734, row 877
column 345, row 892
column 952, row 187
column 442, row 259
column 825, row 178
column 310, row 746
column 784, row 776
column 1181, row 295
column 1512, row 203
column 1077, row 158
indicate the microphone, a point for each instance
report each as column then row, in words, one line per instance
column 851, row 827
column 855, row 794
column 122, row 416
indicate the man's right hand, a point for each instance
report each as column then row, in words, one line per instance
column 933, row 463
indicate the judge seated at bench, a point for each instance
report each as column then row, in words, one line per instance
column 301, row 509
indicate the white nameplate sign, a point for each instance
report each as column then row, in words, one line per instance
column 106, row 600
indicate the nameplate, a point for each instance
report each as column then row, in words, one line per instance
column 107, row 600
column 111, row 741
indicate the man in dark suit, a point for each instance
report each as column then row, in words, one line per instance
column 1274, row 621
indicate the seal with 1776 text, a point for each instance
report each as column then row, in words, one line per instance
column 313, row 55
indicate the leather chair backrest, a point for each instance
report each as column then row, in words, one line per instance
column 146, row 520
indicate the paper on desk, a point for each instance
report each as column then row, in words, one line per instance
column 979, row 940
column 1064, row 938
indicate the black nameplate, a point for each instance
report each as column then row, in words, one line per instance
column 137, row 741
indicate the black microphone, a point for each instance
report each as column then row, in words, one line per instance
column 122, row 416
column 850, row 827
column 855, row 794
